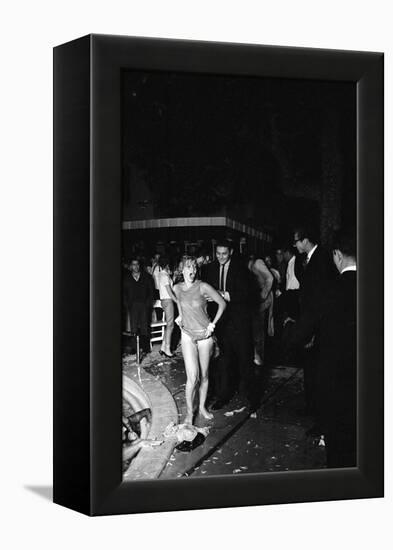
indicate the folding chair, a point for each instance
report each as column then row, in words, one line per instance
column 157, row 328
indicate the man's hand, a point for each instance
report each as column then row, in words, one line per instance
column 310, row 344
column 126, row 423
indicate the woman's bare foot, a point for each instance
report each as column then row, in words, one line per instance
column 166, row 352
column 206, row 414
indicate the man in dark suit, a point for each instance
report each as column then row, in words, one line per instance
column 234, row 335
column 318, row 269
column 335, row 322
column 138, row 289
column 317, row 277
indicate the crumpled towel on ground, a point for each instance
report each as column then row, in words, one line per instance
column 184, row 432
column 188, row 436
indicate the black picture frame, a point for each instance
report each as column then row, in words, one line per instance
column 87, row 275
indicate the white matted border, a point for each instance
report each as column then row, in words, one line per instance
column 29, row 31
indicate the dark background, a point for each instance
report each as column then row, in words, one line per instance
column 267, row 152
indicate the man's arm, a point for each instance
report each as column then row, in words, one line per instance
column 265, row 277
column 150, row 288
column 207, row 275
column 240, row 287
column 127, row 289
column 301, row 332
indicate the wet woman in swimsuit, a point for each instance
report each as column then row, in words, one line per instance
column 196, row 333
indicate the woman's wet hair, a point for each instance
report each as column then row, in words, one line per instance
column 186, row 261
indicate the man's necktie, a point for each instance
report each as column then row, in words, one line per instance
column 221, row 278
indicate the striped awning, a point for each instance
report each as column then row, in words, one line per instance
column 213, row 221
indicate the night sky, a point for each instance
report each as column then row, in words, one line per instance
column 268, row 152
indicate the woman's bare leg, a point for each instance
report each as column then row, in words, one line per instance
column 190, row 356
column 205, row 349
column 168, row 307
column 168, row 338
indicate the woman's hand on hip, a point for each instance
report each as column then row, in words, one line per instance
column 210, row 329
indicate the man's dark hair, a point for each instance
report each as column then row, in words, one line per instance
column 226, row 243
column 307, row 232
column 164, row 261
column 288, row 248
column 345, row 241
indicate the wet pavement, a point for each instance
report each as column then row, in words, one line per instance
column 272, row 439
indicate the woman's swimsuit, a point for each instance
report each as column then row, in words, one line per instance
column 193, row 311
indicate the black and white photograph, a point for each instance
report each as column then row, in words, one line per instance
column 239, row 274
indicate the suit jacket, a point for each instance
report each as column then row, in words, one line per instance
column 238, row 285
column 299, row 271
column 318, row 276
column 336, row 321
column 141, row 291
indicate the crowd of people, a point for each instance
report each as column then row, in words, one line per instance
column 296, row 305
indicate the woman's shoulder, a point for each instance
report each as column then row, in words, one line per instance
column 204, row 287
